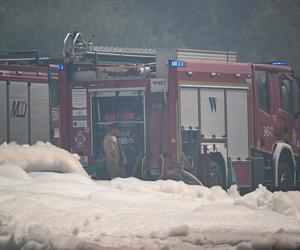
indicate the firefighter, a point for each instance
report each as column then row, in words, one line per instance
column 115, row 157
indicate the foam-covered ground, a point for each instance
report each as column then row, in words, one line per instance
column 68, row 210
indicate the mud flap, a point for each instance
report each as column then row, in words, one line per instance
column 231, row 175
column 257, row 171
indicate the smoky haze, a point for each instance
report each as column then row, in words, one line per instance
column 258, row 30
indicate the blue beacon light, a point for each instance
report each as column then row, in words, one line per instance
column 177, row 63
column 61, row 67
column 279, row 63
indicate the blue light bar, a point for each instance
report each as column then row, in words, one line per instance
column 177, row 63
column 279, row 63
column 61, row 67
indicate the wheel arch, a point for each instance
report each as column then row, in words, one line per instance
column 283, row 152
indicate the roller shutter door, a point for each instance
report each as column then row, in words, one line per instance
column 3, row 112
column 39, row 100
column 189, row 107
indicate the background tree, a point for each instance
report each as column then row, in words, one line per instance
column 259, row 30
column 273, row 33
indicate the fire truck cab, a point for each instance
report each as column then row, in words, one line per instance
column 276, row 107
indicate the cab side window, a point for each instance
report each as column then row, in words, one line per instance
column 287, row 95
column 263, row 91
column 296, row 92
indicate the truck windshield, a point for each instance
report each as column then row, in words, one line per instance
column 287, row 95
column 263, row 91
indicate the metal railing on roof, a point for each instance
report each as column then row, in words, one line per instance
column 76, row 49
column 124, row 50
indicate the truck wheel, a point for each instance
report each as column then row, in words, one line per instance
column 285, row 180
column 215, row 174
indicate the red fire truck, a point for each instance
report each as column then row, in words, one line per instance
column 195, row 115
column 28, row 100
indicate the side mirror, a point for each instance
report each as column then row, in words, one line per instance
column 297, row 115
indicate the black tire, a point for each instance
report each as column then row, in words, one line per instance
column 216, row 177
column 285, row 177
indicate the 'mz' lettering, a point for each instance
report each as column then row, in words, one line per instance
column 18, row 109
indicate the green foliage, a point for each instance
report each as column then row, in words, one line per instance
column 273, row 33
column 258, row 30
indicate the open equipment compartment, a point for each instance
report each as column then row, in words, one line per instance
column 126, row 106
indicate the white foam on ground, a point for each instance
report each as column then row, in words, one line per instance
column 40, row 157
column 46, row 210
column 287, row 203
column 14, row 172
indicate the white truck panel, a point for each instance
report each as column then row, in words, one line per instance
column 237, row 124
column 189, row 107
column 39, row 99
column 18, row 108
column 212, row 120
column 3, row 112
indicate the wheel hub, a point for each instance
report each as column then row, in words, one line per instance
column 284, row 181
column 214, row 180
